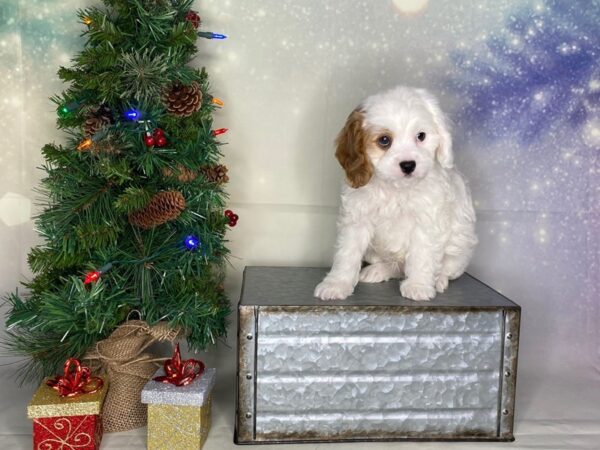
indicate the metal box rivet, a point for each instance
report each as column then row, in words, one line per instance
column 248, row 415
column 248, row 376
column 505, row 412
column 509, row 335
column 249, row 337
column 507, row 373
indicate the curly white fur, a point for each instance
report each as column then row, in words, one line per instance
column 420, row 225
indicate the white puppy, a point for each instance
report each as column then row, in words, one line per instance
column 405, row 209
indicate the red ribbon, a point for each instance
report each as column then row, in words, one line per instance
column 75, row 382
column 181, row 373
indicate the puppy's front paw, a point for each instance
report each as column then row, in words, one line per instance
column 441, row 284
column 416, row 291
column 333, row 290
column 375, row 273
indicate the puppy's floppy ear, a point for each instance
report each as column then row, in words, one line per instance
column 351, row 150
column 444, row 153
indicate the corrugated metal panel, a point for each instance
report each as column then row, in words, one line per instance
column 325, row 374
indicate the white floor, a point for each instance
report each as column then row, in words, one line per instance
column 553, row 412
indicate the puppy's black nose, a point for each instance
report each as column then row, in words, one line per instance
column 408, row 167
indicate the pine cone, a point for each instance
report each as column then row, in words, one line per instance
column 181, row 172
column 97, row 119
column 104, row 111
column 182, row 100
column 94, row 124
column 215, row 174
column 163, row 207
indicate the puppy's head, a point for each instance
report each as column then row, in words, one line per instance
column 397, row 135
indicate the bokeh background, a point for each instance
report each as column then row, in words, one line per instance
column 519, row 78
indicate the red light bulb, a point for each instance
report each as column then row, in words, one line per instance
column 219, row 131
column 90, row 277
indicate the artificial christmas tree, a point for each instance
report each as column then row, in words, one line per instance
column 116, row 231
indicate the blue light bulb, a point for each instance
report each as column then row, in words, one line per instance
column 132, row 114
column 210, row 35
column 191, row 242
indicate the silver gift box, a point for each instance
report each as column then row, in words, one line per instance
column 375, row 366
column 194, row 394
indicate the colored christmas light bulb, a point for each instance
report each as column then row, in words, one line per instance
column 191, row 242
column 209, row 35
column 85, row 144
column 66, row 109
column 217, row 101
column 91, row 277
column 94, row 275
column 219, row 131
column 132, row 114
column 87, row 20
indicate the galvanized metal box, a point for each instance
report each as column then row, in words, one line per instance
column 375, row 366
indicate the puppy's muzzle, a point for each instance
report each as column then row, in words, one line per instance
column 408, row 167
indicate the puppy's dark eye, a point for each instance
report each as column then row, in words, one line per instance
column 421, row 136
column 384, row 141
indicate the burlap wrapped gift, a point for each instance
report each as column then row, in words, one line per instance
column 124, row 357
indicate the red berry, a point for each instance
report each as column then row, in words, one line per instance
column 228, row 213
column 149, row 141
column 161, row 141
column 235, row 217
column 158, row 132
column 193, row 18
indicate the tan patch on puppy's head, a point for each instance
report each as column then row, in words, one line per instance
column 351, row 150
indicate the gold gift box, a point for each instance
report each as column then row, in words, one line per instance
column 179, row 417
column 178, row 427
column 47, row 403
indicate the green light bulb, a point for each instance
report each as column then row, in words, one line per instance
column 64, row 112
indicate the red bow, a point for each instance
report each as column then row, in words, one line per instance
column 76, row 382
column 180, row 373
